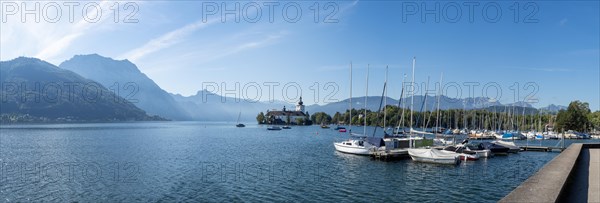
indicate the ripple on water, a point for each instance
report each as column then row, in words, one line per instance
column 188, row 162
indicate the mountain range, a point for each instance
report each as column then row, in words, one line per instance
column 145, row 100
column 35, row 89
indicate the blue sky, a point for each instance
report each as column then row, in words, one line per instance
column 556, row 48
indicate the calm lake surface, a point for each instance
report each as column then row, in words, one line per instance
column 215, row 162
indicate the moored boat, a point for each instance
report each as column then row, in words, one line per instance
column 339, row 127
column 359, row 145
column 462, row 153
column 274, row 128
column 494, row 148
column 512, row 148
column 433, row 156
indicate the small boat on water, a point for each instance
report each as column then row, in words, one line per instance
column 239, row 125
column 324, row 126
column 343, row 130
column 286, row 127
column 274, row 128
column 433, row 156
column 477, row 149
column 512, row 148
column 513, row 136
column 339, row 127
column 359, row 145
column 494, row 148
column 462, row 152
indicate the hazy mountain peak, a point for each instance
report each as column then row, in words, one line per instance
column 95, row 61
column 129, row 80
column 57, row 105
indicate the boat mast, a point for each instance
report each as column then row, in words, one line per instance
column 379, row 109
column 401, row 105
column 366, row 97
column 412, row 99
column 385, row 100
column 424, row 106
column 437, row 120
column 350, row 122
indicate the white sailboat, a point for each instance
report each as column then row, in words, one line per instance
column 357, row 143
column 427, row 155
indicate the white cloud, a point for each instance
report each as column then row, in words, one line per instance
column 47, row 40
column 166, row 40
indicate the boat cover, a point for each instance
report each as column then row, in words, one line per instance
column 376, row 141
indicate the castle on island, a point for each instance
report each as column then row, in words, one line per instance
column 286, row 116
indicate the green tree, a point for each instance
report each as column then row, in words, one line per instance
column 575, row 117
column 320, row 117
column 299, row 121
column 337, row 117
column 260, row 118
column 595, row 119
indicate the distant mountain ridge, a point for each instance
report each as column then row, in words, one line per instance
column 125, row 78
column 35, row 89
column 430, row 104
column 111, row 74
column 217, row 108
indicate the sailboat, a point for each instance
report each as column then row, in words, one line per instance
column 239, row 125
column 358, row 144
column 427, row 155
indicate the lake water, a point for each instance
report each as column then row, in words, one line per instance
column 215, row 162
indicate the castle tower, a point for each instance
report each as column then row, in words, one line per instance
column 300, row 105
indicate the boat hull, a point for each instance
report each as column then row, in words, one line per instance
column 351, row 149
column 428, row 156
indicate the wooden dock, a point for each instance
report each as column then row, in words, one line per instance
column 388, row 154
column 541, row 148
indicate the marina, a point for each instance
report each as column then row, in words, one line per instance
column 300, row 101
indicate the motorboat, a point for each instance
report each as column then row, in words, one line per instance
column 513, row 136
column 433, row 156
column 286, row 127
column 494, row 148
column 339, row 127
column 462, row 153
column 274, row 128
column 512, row 148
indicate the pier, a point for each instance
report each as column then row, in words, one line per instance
column 388, row 154
column 541, row 148
column 572, row 176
